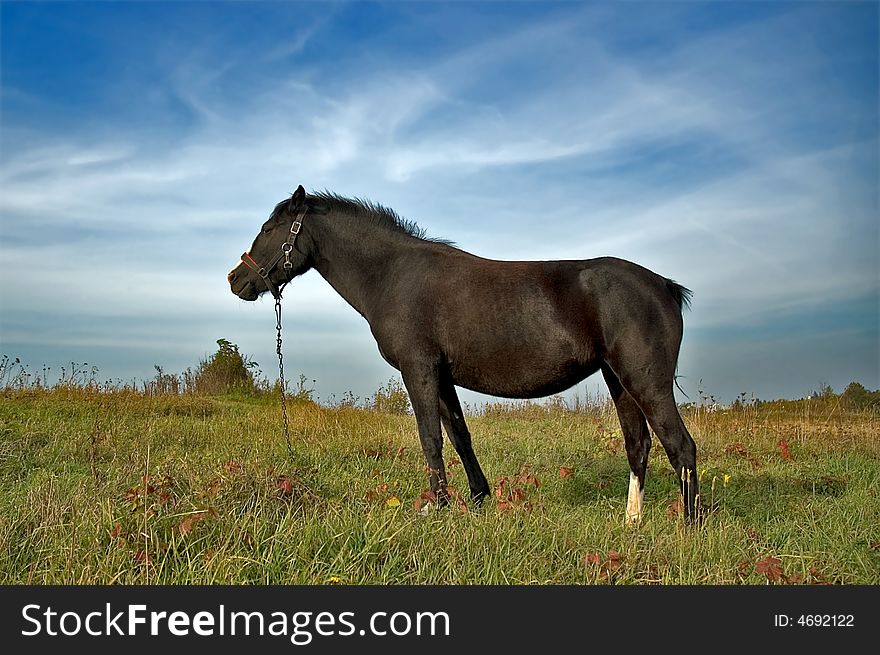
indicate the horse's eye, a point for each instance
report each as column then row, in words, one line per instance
column 267, row 229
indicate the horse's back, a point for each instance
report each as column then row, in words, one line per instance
column 520, row 328
column 529, row 328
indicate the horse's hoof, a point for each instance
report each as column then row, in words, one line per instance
column 479, row 496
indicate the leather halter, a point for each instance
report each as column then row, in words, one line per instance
column 286, row 248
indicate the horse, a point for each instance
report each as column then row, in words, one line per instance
column 444, row 317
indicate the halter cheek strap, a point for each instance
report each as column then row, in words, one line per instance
column 286, row 249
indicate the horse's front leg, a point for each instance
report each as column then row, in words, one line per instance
column 452, row 417
column 422, row 383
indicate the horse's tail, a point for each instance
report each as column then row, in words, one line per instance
column 681, row 294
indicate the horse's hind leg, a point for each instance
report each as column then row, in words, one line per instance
column 658, row 404
column 637, row 440
column 680, row 448
column 453, row 420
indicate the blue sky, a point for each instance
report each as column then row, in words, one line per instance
column 730, row 146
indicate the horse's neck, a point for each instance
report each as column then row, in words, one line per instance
column 354, row 256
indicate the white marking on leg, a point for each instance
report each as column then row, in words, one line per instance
column 634, row 500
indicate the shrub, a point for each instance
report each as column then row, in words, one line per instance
column 225, row 371
column 392, row 398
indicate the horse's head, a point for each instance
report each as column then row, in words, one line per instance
column 274, row 258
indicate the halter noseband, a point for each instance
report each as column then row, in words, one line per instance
column 286, row 248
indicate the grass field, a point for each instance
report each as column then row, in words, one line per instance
column 123, row 487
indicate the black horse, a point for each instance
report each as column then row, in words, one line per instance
column 518, row 329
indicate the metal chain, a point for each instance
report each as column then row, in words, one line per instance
column 281, row 376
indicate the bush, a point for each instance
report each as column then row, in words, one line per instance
column 392, row 398
column 225, row 371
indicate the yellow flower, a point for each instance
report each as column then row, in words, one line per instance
column 334, row 579
column 726, row 479
column 393, row 501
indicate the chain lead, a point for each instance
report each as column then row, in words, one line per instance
column 281, row 376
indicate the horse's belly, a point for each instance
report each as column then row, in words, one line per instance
column 520, row 374
column 524, row 332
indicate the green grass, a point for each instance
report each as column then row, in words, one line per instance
column 119, row 487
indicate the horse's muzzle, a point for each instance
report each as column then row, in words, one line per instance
column 241, row 287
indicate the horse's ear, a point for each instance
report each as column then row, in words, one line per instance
column 298, row 197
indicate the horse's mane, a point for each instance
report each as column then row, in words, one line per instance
column 376, row 214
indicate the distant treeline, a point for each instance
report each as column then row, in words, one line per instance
column 856, row 395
